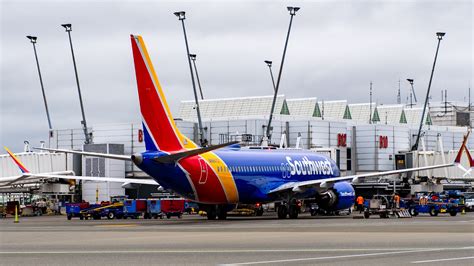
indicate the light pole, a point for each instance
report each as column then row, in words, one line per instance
column 412, row 93
column 193, row 57
column 440, row 37
column 87, row 135
column 33, row 41
column 181, row 16
column 267, row 136
column 269, row 64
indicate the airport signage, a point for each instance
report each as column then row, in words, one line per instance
column 383, row 142
column 341, row 140
column 140, row 135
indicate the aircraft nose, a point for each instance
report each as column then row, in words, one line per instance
column 137, row 158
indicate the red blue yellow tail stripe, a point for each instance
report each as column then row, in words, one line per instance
column 17, row 162
column 209, row 184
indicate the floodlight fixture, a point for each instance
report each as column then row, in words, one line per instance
column 180, row 15
column 192, row 56
column 440, row 35
column 269, row 63
column 410, row 80
column 68, row 27
column 293, row 10
column 32, row 38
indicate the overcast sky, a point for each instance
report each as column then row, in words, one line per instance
column 336, row 48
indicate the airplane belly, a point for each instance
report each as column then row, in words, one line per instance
column 251, row 189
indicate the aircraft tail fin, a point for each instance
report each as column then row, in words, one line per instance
column 463, row 148
column 160, row 130
column 17, row 161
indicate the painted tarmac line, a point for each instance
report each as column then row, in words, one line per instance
column 441, row 260
column 342, row 256
column 200, row 251
column 115, row 225
column 392, row 250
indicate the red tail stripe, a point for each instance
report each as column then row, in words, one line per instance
column 152, row 108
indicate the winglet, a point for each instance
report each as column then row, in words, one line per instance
column 17, row 162
column 464, row 148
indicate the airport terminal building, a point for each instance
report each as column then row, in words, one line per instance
column 359, row 137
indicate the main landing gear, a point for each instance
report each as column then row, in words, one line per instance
column 292, row 209
column 216, row 211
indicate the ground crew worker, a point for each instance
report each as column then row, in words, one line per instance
column 396, row 201
column 360, row 203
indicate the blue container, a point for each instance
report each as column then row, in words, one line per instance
column 73, row 208
column 130, row 206
column 154, row 206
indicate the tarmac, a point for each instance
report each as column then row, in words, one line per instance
column 193, row 240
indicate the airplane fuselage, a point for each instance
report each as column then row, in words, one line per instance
column 236, row 175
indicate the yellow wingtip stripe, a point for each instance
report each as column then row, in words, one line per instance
column 15, row 159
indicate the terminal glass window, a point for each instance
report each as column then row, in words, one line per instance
column 349, row 159
column 284, row 109
column 347, row 113
column 376, row 117
column 317, row 111
column 403, row 118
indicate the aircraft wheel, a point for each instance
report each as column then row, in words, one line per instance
column 211, row 212
column 413, row 212
column 282, row 212
column 221, row 213
column 110, row 215
column 293, row 213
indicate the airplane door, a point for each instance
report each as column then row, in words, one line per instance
column 204, row 172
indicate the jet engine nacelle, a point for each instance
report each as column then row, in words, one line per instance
column 341, row 196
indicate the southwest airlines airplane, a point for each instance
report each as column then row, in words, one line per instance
column 221, row 176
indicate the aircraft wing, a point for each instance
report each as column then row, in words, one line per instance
column 26, row 176
column 88, row 178
column 7, row 181
column 328, row 182
column 94, row 154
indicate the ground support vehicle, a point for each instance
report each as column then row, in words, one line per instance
column 105, row 209
column 74, row 209
column 434, row 207
column 314, row 210
column 134, row 208
column 383, row 206
column 172, row 207
column 191, row 207
column 153, row 209
column 11, row 205
column 469, row 201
